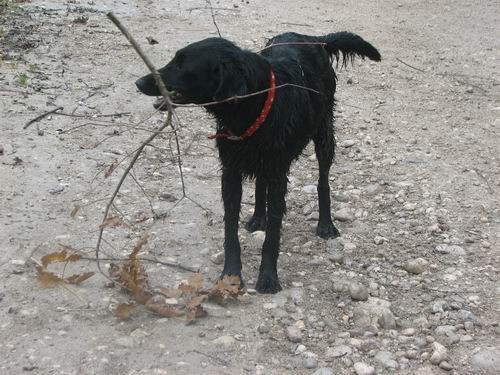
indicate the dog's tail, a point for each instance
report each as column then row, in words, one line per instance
column 349, row 45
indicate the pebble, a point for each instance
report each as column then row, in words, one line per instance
column 358, row 292
column 487, row 361
column 323, row 371
column 18, row 262
column 439, row 354
column 224, row 341
column 310, row 189
column 264, row 328
column 450, row 249
column 387, row 319
column 336, row 257
column 337, row 352
column 126, row 342
column 386, row 359
column 298, row 349
column 373, row 189
column 347, row 143
column 379, row 240
column 361, row 368
column 341, row 197
column 294, row 334
column 217, row 258
column 408, row 332
column 343, row 215
column 310, row 363
column 416, row 266
column 446, row 366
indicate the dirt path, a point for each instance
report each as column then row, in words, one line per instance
column 416, row 184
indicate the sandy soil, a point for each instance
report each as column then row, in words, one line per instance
column 416, row 184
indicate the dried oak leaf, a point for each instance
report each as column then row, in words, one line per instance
column 111, row 168
column 59, row 256
column 47, row 279
column 142, row 295
column 112, row 221
column 123, row 310
column 195, row 313
column 195, row 280
column 196, row 301
column 225, row 290
column 170, row 293
column 159, row 307
column 79, row 278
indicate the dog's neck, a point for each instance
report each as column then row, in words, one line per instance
column 236, row 116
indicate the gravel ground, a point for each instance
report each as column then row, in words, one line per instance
column 411, row 287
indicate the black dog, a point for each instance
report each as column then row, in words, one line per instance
column 259, row 136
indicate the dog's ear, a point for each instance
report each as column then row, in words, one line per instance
column 231, row 81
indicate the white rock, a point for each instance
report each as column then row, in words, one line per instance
column 439, row 354
column 362, row 368
column 294, row 334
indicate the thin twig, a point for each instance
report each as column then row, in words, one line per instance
column 38, row 118
column 402, row 62
column 209, row 2
column 237, row 97
column 150, row 260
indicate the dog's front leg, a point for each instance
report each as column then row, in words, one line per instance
column 231, row 196
column 268, row 281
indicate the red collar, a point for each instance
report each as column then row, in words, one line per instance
column 228, row 134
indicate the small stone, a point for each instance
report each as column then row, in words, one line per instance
column 341, row 197
column 323, row 371
column 379, row 240
column 294, row 334
column 225, row 341
column 386, row 359
column 126, row 342
column 217, row 258
column 298, row 349
column 264, row 328
column 373, row 189
column 358, row 292
column 387, row 319
column 337, row 352
column 347, row 143
column 416, row 266
column 450, row 249
column 310, row 189
column 487, row 361
column 445, row 366
column 310, row 363
column 469, row 90
column 361, row 368
column 343, row 215
column 439, row 354
column 336, row 257
column 408, row 332
column 18, row 262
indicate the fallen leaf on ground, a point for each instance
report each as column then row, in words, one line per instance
column 123, row 310
column 48, row 279
column 79, row 278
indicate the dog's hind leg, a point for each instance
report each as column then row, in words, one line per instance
column 231, row 196
column 324, row 144
column 258, row 219
column 268, row 281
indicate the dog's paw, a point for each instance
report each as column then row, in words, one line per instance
column 268, row 283
column 256, row 223
column 327, row 230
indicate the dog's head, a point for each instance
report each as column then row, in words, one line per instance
column 205, row 71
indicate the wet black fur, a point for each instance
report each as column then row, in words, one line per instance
column 216, row 69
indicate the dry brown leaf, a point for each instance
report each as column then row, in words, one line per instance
column 195, row 313
column 186, row 289
column 112, row 221
column 196, row 301
column 111, row 168
column 170, row 293
column 123, row 310
column 226, row 289
column 47, row 279
column 142, row 295
column 59, row 256
column 79, row 278
column 195, row 280
column 162, row 309
column 75, row 211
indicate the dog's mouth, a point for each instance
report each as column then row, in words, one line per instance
column 176, row 97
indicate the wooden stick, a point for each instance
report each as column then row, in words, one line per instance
column 38, row 118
